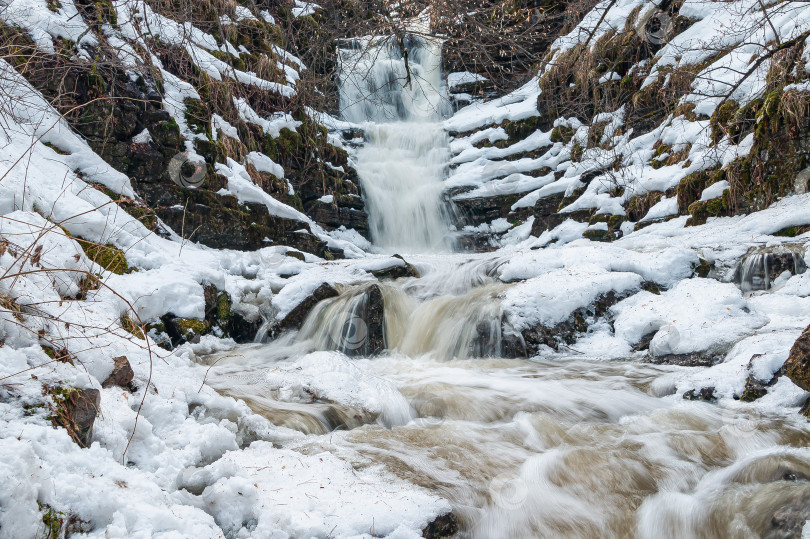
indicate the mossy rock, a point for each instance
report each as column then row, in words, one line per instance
column 197, row 115
column 109, row 257
column 700, row 211
column 183, row 330
column 562, row 133
column 691, row 187
column 722, row 118
column 703, row 269
column 598, row 235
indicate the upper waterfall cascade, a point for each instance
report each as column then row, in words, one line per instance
column 396, row 92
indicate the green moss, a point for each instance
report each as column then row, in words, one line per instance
column 191, row 326
column 722, row 118
column 792, row 231
column 702, row 210
column 562, row 133
column 598, row 235
column 770, row 106
column 295, row 254
column 661, row 149
column 521, row 129
column 577, row 151
column 109, row 257
column 224, row 306
column 753, row 391
column 691, row 187
column 54, row 148
column 197, row 115
column 52, row 520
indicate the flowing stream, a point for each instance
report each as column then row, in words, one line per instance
column 555, row 447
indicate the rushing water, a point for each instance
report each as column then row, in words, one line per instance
column 404, row 160
column 554, row 447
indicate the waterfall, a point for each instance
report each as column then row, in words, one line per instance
column 403, row 163
column 758, row 269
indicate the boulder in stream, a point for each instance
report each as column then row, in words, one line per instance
column 797, row 366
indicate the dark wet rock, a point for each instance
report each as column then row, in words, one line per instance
column 697, row 359
column 702, row 394
column 644, row 343
column 221, row 222
column 242, row 329
column 756, row 388
column 788, row 521
column 545, row 214
column 219, row 313
column 121, row 375
column 477, row 242
column 184, row 330
column 347, row 210
column 513, row 346
column 295, row 318
column 565, row 333
column 369, row 317
column 797, row 366
column 76, row 411
column 479, row 211
column 396, row 270
column 805, row 409
column 442, row 527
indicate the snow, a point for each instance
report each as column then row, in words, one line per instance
column 272, row 126
column 714, row 191
column 455, row 80
column 665, row 207
column 262, row 163
column 555, row 295
column 282, row 491
column 242, row 187
column 698, row 314
column 519, row 105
